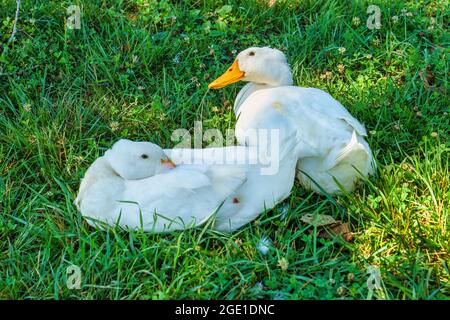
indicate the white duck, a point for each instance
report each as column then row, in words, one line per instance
column 333, row 152
column 268, row 181
column 136, row 185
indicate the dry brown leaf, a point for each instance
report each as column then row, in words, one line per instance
column 337, row 229
column 318, row 220
column 426, row 75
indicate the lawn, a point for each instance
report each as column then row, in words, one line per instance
column 140, row 68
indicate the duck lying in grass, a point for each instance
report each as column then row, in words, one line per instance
column 333, row 152
column 136, row 185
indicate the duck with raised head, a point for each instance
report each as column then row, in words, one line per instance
column 333, row 152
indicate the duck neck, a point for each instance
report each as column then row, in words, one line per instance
column 283, row 78
column 102, row 168
column 245, row 92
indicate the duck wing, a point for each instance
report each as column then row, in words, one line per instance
column 185, row 197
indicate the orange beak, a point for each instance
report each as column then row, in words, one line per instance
column 232, row 75
column 168, row 163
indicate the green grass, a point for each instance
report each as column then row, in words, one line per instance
column 134, row 71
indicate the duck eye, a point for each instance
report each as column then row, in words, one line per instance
column 144, row 156
column 251, row 53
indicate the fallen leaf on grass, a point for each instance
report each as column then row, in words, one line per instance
column 328, row 227
column 427, row 76
column 337, row 229
column 318, row 220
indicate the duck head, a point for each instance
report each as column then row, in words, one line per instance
column 259, row 65
column 137, row 160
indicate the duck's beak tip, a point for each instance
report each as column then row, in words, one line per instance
column 213, row 85
column 167, row 163
column 232, row 75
